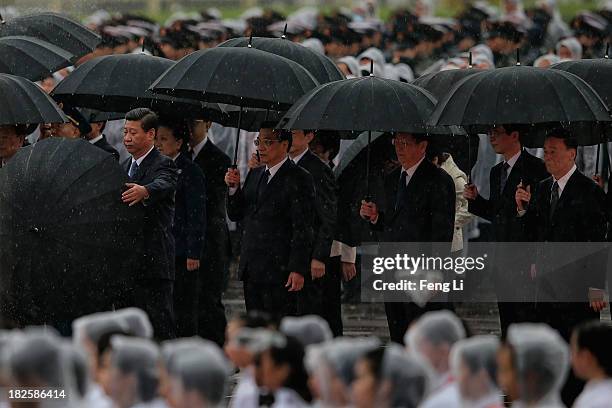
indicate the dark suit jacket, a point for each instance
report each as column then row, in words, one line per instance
column 580, row 216
column 326, row 191
column 190, row 209
column 159, row 175
column 427, row 209
column 104, row 145
column 500, row 210
column 214, row 164
column 278, row 231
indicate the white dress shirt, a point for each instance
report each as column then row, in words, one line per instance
column 596, row 394
column 96, row 139
column 198, row 148
column 411, row 170
column 297, row 158
column 562, row 182
column 512, row 161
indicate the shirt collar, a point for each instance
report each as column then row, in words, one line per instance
column 562, row 182
column 411, row 170
column 198, row 148
column 96, row 139
column 512, row 161
column 139, row 161
column 297, row 158
column 275, row 168
column 176, row 157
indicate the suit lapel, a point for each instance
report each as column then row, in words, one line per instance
column 270, row 189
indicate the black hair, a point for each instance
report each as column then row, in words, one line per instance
column 596, row 337
column 148, row 119
column 179, row 129
column 284, row 135
column 292, row 354
column 433, row 151
column 104, row 341
column 328, row 139
column 562, row 133
column 374, row 358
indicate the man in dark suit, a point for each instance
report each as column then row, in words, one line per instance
column 517, row 167
column 217, row 249
column 566, row 207
column 276, row 206
column 189, row 223
column 322, row 290
column 95, row 136
column 153, row 179
column 419, row 207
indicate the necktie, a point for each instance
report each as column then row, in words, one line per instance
column 554, row 198
column 401, row 188
column 263, row 182
column 133, row 169
column 503, row 177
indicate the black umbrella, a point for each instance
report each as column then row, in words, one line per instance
column 320, row 66
column 245, row 77
column 363, row 104
column 66, row 239
column 439, row 83
column 531, row 96
column 23, row 102
column 595, row 72
column 119, row 83
column 56, row 29
column 31, row 58
column 251, row 119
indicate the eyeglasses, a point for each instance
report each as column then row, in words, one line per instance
column 402, row 142
column 267, row 142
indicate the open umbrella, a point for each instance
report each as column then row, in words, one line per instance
column 119, row 83
column 439, row 83
column 525, row 95
column 31, row 58
column 320, row 66
column 66, row 239
column 57, row 29
column 23, row 103
column 245, row 77
column 363, row 104
column 595, row 72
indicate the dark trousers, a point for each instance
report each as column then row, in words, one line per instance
column 186, row 293
column 154, row 296
column 564, row 317
column 401, row 315
column 211, row 312
column 323, row 296
column 273, row 298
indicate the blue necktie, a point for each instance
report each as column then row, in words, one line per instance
column 133, row 169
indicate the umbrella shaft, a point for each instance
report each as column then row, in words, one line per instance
column 368, row 165
column 237, row 136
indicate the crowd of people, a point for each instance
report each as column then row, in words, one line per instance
column 300, row 223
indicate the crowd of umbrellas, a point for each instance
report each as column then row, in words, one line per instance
column 240, row 84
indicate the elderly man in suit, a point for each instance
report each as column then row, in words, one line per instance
column 517, row 167
column 215, row 259
column 565, row 207
column 276, row 205
column 189, row 223
column 419, row 207
column 153, row 179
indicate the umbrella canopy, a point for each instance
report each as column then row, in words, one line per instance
column 31, row 58
column 360, row 104
column 66, row 239
column 244, row 77
column 320, row 66
column 251, row 119
column 22, row 103
column 56, row 29
column 595, row 72
column 439, row 83
column 358, row 146
column 525, row 95
column 119, row 83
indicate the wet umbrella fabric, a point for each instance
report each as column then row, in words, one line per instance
column 57, row 29
column 66, row 239
column 595, row 72
column 359, row 104
column 439, row 83
column 320, row 66
column 238, row 76
column 23, row 102
column 119, row 83
column 541, row 98
column 31, row 58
